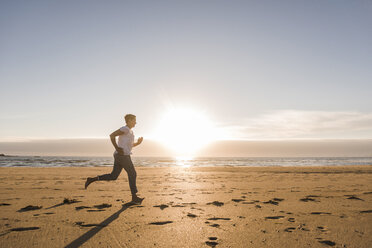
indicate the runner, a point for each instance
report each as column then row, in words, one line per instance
column 122, row 157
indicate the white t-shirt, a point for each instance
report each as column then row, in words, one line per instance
column 126, row 140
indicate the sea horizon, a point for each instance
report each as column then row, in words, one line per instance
column 150, row 161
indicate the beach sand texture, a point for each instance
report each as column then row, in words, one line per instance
column 188, row 207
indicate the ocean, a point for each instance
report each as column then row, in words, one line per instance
column 49, row 161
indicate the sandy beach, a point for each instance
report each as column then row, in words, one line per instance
column 188, row 207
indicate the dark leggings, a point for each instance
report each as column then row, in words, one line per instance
column 120, row 162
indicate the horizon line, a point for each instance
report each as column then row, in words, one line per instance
column 16, row 140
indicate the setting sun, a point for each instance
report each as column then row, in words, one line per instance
column 185, row 131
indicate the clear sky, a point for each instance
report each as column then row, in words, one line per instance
column 255, row 69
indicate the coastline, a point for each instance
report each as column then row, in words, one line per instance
column 260, row 206
column 58, row 161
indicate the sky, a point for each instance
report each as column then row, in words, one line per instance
column 257, row 70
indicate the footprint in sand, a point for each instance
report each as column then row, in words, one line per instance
column 189, row 203
column 320, row 213
column 322, row 228
column 327, row 242
column 271, row 202
column 21, row 229
column 5, row 204
column 70, row 201
column 211, row 242
column 237, row 200
column 29, row 208
column 65, row 201
column 251, row 202
column 81, row 207
column 178, row 206
column 218, row 218
column 278, row 199
column 215, row 225
column 366, row 211
column 191, row 215
column 289, row 229
column 216, row 203
column 160, row 223
column 313, row 196
column 99, row 207
column 81, row 223
column 353, row 197
column 307, row 199
column 291, row 219
column 273, row 217
column 162, row 206
column 102, row 206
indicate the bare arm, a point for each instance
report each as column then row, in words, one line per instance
column 113, row 141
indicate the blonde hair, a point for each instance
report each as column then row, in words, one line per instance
column 129, row 117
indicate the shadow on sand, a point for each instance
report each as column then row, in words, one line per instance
column 86, row 236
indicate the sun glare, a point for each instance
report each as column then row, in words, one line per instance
column 185, row 131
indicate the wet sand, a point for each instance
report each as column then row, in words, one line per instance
column 188, row 207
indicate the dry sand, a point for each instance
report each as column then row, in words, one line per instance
column 262, row 207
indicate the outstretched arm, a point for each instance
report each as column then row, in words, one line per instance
column 139, row 141
column 113, row 141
